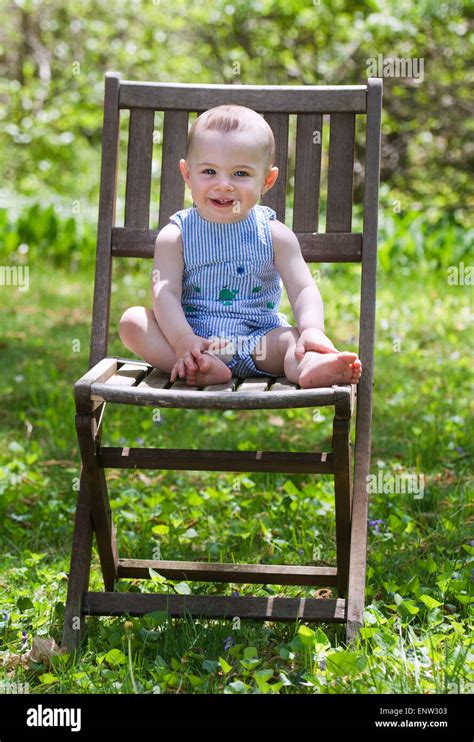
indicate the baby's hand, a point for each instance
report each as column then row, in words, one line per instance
column 188, row 348
column 313, row 339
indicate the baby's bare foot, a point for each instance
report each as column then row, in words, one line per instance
column 326, row 369
column 211, row 371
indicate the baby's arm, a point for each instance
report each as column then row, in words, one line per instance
column 166, row 286
column 303, row 294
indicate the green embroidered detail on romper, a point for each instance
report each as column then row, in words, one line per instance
column 226, row 296
column 256, row 289
column 190, row 308
column 197, row 288
column 270, row 304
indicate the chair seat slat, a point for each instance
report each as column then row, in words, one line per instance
column 127, row 375
column 228, row 386
column 182, row 386
column 282, row 384
column 155, row 380
column 254, row 384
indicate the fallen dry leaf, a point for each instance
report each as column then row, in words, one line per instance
column 144, row 478
column 9, row 660
column 42, row 649
column 276, row 420
column 323, row 593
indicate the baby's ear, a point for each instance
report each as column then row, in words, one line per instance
column 270, row 179
column 185, row 171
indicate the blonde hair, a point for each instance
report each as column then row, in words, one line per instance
column 227, row 118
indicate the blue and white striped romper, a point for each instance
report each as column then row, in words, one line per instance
column 231, row 287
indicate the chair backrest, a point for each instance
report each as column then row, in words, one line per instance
column 276, row 103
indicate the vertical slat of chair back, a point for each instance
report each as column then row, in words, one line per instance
column 175, row 133
column 309, row 132
column 340, row 172
column 140, row 152
column 276, row 197
column 108, row 194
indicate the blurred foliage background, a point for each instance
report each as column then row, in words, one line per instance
column 53, row 57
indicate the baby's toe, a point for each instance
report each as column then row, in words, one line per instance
column 203, row 362
column 356, row 374
column 347, row 356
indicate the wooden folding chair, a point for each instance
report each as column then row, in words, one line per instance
column 121, row 381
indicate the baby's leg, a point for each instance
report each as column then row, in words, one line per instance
column 140, row 333
column 276, row 354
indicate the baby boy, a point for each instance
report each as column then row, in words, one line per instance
column 218, row 267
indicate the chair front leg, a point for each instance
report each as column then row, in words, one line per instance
column 94, row 477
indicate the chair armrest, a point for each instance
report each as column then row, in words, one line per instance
column 99, row 373
column 344, row 401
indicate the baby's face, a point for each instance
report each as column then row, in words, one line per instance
column 227, row 174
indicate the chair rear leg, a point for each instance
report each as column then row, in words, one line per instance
column 79, row 571
column 343, row 499
column 358, row 557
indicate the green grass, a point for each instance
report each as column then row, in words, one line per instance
column 416, row 635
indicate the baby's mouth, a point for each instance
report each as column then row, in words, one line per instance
column 222, row 202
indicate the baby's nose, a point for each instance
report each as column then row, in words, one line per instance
column 224, row 182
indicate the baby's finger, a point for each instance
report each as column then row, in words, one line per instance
column 203, row 361
column 174, row 372
column 188, row 360
column 324, row 348
column 299, row 352
column 181, row 369
column 196, row 352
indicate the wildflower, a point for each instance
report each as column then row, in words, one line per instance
column 228, row 643
column 375, row 524
column 235, row 594
column 6, row 618
column 24, row 639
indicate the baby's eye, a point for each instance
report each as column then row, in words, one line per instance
column 241, row 172
column 209, row 171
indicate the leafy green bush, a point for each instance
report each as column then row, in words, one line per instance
column 40, row 234
column 434, row 240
